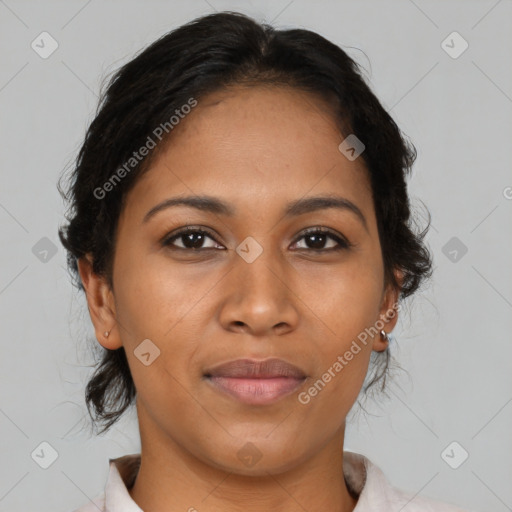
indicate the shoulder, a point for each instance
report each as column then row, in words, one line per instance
column 376, row 492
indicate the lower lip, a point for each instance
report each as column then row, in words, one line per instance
column 257, row 391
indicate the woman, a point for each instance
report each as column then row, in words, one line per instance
column 241, row 227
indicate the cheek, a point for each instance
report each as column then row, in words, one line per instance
column 159, row 302
column 345, row 298
column 152, row 295
column 343, row 307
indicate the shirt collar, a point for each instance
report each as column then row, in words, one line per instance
column 122, row 473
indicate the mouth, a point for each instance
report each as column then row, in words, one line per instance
column 256, row 382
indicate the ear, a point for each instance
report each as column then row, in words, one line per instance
column 100, row 301
column 388, row 314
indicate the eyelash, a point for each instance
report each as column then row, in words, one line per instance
column 343, row 243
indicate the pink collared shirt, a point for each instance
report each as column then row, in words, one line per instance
column 364, row 479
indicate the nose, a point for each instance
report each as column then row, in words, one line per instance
column 260, row 299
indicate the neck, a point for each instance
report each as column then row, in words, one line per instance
column 172, row 478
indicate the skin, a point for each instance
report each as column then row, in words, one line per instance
column 256, row 149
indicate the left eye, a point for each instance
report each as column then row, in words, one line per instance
column 318, row 237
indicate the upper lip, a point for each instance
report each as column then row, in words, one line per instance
column 251, row 368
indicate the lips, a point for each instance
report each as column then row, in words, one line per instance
column 251, row 369
column 256, row 382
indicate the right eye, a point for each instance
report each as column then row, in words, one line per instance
column 191, row 239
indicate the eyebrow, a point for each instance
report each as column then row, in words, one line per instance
column 292, row 209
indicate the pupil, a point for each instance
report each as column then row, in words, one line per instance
column 315, row 241
column 319, row 239
column 189, row 237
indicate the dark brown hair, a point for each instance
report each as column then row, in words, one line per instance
column 206, row 55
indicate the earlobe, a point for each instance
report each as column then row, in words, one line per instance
column 388, row 315
column 100, row 302
column 381, row 341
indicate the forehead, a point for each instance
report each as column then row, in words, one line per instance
column 258, row 145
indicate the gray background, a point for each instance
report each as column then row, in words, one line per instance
column 453, row 339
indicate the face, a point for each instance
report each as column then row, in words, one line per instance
column 253, row 279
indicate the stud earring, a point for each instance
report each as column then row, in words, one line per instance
column 106, row 333
column 384, row 335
